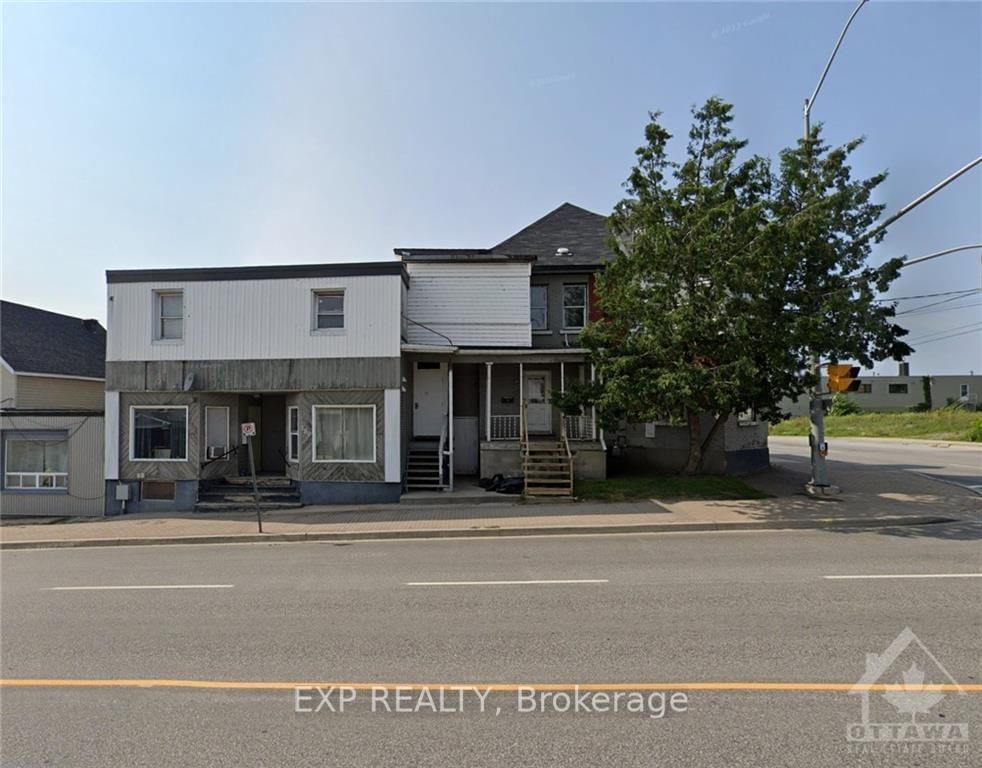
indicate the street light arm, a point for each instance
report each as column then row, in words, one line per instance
column 916, row 202
column 810, row 101
column 937, row 254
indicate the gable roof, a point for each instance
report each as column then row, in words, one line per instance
column 34, row 340
column 582, row 233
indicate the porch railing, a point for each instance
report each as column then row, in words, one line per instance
column 506, row 427
column 578, row 427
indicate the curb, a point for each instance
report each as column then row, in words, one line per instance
column 489, row 532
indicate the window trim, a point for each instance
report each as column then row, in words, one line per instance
column 187, row 430
column 545, row 292
column 291, row 457
column 586, row 304
column 158, row 315
column 895, row 389
column 37, row 436
column 228, row 431
column 313, row 430
column 315, row 294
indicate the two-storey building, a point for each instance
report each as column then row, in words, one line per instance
column 310, row 354
column 493, row 333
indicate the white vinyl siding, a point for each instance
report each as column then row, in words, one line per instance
column 257, row 319
column 344, row 433
column 472, row 304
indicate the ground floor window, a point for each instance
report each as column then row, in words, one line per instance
column 293, row 430
column 159, row 433
column 344, row 433
column 35, row 464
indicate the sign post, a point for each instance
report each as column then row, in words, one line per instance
column 249, row 432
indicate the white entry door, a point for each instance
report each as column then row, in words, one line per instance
column 538, row 384
column 429, row 398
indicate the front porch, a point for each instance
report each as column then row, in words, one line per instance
column 485, row 407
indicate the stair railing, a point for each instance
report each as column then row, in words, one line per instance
column 439, row 450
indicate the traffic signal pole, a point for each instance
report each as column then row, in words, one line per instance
column 820, row 482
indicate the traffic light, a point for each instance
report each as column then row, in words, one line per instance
column 842, row 378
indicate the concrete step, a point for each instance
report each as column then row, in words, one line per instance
column 238, row 506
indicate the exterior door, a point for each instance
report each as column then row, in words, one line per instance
column 216, row 432
column 429, row 398
column 537, row 387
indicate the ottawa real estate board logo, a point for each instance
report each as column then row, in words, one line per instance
column 900, row 684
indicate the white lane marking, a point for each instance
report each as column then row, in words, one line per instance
column 140, row 586
column 909, row 576
column 502, row 583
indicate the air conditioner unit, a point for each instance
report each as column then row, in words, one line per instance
column 216, row 451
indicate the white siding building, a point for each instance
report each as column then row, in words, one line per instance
column 310, row 354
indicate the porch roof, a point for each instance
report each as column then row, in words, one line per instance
column 544, row 355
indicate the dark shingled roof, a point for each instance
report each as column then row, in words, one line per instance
column 583, row 233
column 36, row 341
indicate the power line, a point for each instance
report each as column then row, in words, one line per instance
column 929, row 295
column 953, row 335
column 946, row 330
column 937, row 303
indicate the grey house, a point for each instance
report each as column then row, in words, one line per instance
column 52, row 376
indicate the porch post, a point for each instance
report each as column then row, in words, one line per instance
column 450, row 424
column 487, row 407
column 562, row 377
column 521, row 401
column 593, row 408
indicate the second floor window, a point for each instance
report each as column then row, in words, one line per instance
column 170, row 315
column 539, row 301
column 574, row 307
column 328, row 310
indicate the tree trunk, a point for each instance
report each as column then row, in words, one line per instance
column 717, row 425
column 694, row 421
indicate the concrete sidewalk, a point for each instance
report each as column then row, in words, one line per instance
column 873, row 499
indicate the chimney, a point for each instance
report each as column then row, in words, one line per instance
column 903, row 369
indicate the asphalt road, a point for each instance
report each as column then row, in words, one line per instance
column 951, row 462
column 746, row 608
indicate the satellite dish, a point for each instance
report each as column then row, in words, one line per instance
column 188, row 382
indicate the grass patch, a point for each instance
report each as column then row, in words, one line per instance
column 666, row 487
column 932, row 425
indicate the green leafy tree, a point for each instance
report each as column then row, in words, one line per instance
column 728, row 277
column 670, row 341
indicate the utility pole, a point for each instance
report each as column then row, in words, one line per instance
column 818, row 448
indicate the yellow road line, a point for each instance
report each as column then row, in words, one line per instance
column 264, row 685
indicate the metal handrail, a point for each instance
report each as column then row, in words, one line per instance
column 439, row 450
column 569, row 457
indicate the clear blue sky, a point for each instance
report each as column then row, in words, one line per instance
column 174, row 135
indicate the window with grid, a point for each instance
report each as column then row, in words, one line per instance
column 293, row 431
column 170, row 315
column 574, row 306
column 328, row 310
column 539, row 303
column 35, row 464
